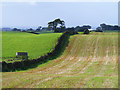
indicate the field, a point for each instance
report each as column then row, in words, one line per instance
column 89, row 61
column 35, row 45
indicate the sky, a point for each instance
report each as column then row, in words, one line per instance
column 34, row 14
column 119, row 13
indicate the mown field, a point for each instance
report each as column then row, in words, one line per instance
column 35, row 45
column 89, row 61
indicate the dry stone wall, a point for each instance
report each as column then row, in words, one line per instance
column 7, row 67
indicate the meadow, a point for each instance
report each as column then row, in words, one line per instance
column 89, row 61
column 35, row 44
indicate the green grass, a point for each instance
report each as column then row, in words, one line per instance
column 35, row 45
column 80, row 32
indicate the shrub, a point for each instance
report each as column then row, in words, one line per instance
column 98, row 30
column 86, row 31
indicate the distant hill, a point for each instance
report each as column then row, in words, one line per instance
column 5, row 29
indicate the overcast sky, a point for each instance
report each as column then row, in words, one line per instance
column 34, row 14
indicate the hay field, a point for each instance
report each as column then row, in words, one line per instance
column 89, row 61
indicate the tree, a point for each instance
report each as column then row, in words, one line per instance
column 30, row 30
column 87, row 26
column 70, row 29
column 82, row 28
column 103, row 26
column 98, row 29
column 109, row 27
column 15, row 29
column 38, row 29
column 54, row 24
column 23, row 31
column 77, row 28
column 86, row 31
column 116, row 27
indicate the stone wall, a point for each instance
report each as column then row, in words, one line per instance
column 21, row 65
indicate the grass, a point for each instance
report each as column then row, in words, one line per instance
column 35, row 45
column 89, row 61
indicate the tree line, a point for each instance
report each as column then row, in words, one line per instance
column 58, row 25
column 109, row 27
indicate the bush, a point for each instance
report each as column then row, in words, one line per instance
column 86, row 31
column 98, row 30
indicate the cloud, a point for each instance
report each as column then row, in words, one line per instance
column 33, row 2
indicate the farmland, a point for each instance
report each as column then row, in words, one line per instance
column 35, row 45
column 89, row 61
